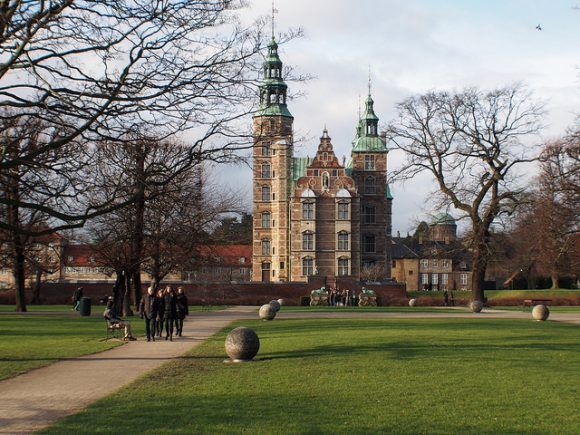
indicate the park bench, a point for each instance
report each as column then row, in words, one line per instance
column 112, row 330
column 531, row 302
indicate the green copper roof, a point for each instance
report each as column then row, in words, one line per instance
column 442, row 219
column 369, row 144
column 388, row 192
column 367, row 138
column 273, row 90
column 274, row 110
column 299, row 167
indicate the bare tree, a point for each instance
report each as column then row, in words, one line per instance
column 473, row 143
column 31, row 190
column 97, row 69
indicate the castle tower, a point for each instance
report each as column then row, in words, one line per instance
column 369, row 171
column 272, row 174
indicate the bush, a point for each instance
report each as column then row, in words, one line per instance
column 304, row 301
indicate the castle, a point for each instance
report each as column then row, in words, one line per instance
column 316, row 217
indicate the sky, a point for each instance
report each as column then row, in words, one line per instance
column 412, row 47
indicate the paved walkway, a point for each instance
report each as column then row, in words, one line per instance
column 36, row 399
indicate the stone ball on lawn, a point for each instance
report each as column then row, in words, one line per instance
column 476, row 306
column 275, row 304
column 540, row 312
column 282, row 302
column 267, row 312
column 242, row 344
column 413, row 302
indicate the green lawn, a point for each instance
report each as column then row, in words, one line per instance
column 555, row 309
column 394, row 309
column 28, row 342
column 360, row 376
column 96, row 308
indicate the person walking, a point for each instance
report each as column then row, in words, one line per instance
column 182, row 310
column 170, row 312
column 148, row 310
column 77, row 295
column 160, row 312
column 446, row 298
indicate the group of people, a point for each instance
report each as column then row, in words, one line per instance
column 164, row 308
column 345, row 297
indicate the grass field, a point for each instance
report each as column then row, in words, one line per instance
column 96, row 308
column 360, row 376
column 28, row 342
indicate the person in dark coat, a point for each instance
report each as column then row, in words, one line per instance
column 170, row 311
column 160, row 311
column 148, row 310
column 77, row 295
column 182, row 310
column 446, row 298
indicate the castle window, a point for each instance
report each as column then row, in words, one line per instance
column 435, row 263
column 425, row 263
column 369, row 163
column 343, row 267
column 446, row 264
column 343, row 210
column 265, row 193
column 266, row 271
column 370, row 185
column 266, row 219
column 266, row 150
column 316, row 172
column 343, row 241
column 334, row 172
column 308, row 241
column 444, row 279
column 425, row 278
column 307, row 266
column 369, row 214
column 265, row 170
column 325, row 180
column 308, row 210
column 463, row 278
column 369, row 243
column 265, row 247
column 435, row 279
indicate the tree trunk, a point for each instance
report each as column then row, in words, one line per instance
column 555, row 281
column 36, row 289
column 137, row 234
column 118, row 288
column 18, row 273
column 478, row 268
column 127, row 297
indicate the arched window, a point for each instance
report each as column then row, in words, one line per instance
column 342, row 211
column 265, row 247
column 343, row 267
column 343, row 241
column 307, row 241
column 325, row 180
column 307, row 266
column 370, row 186
column 266, row 219
column 265, row 170
column 308, row 210
column 266, row 193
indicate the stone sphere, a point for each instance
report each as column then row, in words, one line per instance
column 413, row 302
column 476, row 306
column 267, row 312
column 275, row 304
column 540, row 312
column 242, row 344
column 282, row 302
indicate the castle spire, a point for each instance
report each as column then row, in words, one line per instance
column 367, row 136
